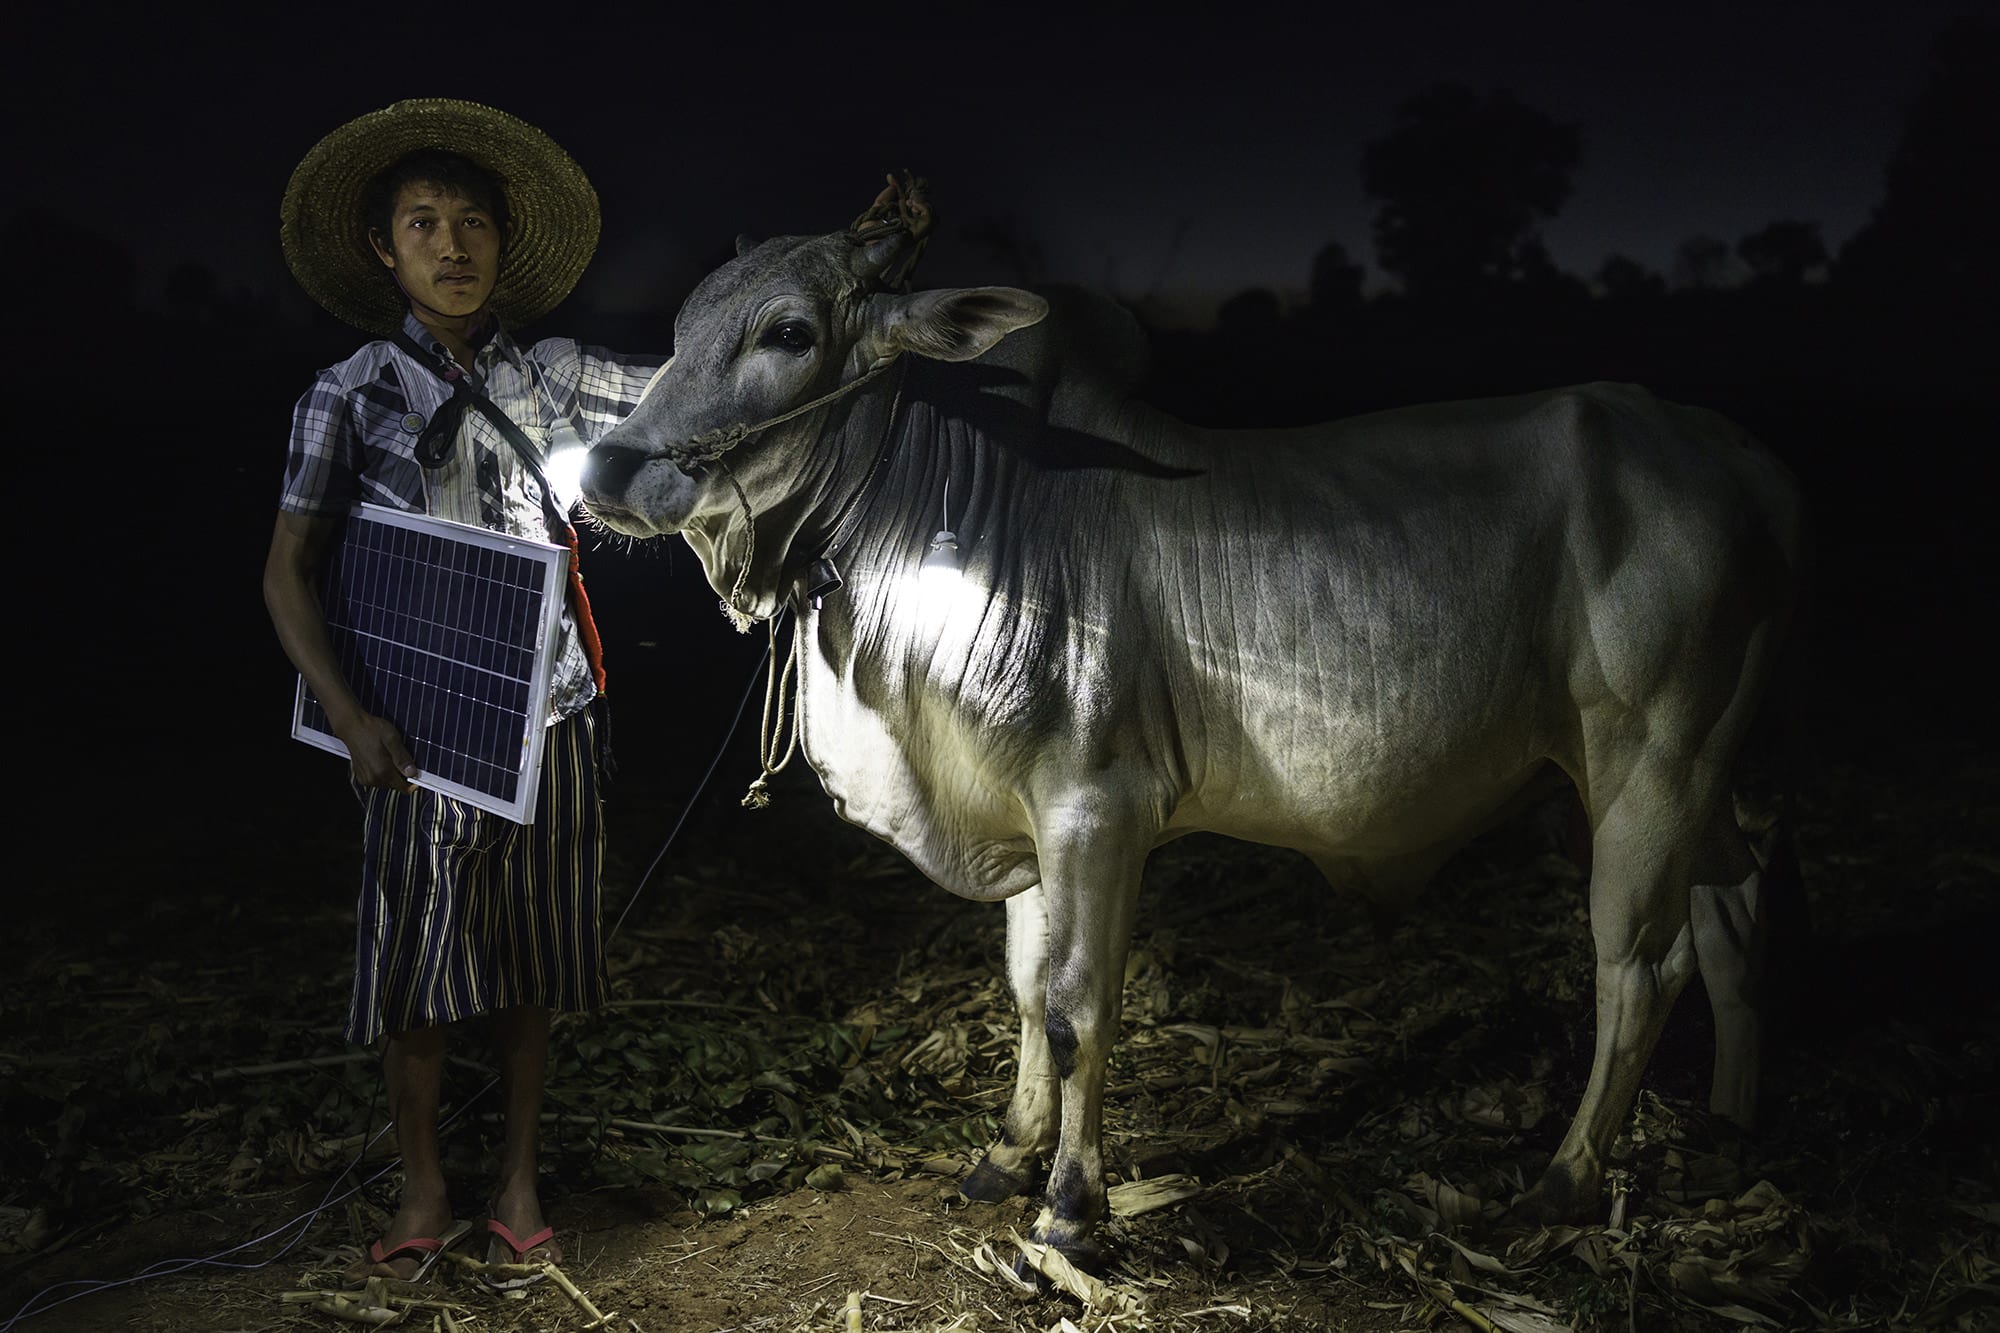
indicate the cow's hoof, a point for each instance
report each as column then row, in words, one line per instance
column 1084, row 1255
column 987, row 1183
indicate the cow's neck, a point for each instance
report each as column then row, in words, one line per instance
column 804, row 501
column 941, row 473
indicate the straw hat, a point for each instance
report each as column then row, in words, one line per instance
column 554, row 210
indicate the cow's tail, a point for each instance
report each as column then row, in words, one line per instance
column 1768, row 820
column 1768, row 810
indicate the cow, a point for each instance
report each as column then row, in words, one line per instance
column 1366, row 640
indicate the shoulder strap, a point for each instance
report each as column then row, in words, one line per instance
column 464, row 394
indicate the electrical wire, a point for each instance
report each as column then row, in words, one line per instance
column 168, row 1267
column 695, row 799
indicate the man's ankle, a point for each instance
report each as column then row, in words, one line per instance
column 425, row 1198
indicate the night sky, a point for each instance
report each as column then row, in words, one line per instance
column 1181, row 158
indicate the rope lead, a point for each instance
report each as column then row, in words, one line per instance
column 771, row 756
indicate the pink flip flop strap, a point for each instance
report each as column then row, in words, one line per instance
column 421, row 1244
column 515, row 1243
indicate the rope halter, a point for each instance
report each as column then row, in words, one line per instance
column 711, row 445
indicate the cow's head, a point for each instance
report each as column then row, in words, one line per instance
column 783, row 324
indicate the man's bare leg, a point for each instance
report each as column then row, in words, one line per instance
column 522, row 1034
column 413, row 1070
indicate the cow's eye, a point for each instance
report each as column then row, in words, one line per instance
column 793, row 335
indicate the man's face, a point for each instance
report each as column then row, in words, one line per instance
column 444, row 248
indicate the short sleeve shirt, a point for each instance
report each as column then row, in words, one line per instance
column 354, row 435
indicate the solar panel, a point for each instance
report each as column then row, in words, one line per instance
column 448, row 631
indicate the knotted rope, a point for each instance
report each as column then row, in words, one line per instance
column 902, row 208
column 771, row 757
column 711, row 446
column 738, row 617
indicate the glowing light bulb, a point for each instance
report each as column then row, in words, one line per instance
column 941, row 562
column 939, row 580
column 563, row 465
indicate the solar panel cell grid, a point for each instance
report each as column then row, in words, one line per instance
column 445, row 630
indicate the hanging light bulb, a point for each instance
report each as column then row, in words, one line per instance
column 938, row 574
column 940, row 563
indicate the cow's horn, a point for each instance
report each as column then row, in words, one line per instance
column 890, row 234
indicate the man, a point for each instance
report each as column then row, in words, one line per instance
column 442, row 222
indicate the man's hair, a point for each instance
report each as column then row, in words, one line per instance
column 433, row 166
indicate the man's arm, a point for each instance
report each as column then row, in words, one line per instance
column 375, row 746
column 593, row 387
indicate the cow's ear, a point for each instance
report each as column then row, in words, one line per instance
column 959, row 323
column 745, row 243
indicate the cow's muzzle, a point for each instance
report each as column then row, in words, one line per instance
column 637, row 492
column 608, row 470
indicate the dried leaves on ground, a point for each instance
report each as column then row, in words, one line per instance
column 1310, row 1123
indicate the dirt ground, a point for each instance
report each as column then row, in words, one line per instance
column 1309, row 1126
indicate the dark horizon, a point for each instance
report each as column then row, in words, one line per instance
column 1166, row 162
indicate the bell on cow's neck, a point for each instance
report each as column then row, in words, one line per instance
column 822, row 580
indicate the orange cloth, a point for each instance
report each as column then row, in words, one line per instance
column 593, row 647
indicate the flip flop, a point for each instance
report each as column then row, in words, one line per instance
column 521, row 1249
column 426, row 1249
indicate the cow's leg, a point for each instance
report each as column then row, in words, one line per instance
column 1729, row 945
column 1034, row 1115
column 1090, row 885
column 1644, row 848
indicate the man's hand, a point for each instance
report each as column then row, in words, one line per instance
column 375, row 746
column 377, row 752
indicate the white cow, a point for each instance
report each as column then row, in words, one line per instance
column 1362, row 640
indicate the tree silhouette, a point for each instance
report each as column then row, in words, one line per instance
column 1784, row 252
column 1540, row 277
column 1335, row 284
column 1701, row 263
column 1463, row 181
column 67, row 294
column 1623, row 278
column 1252, row 316
column 1010, row 244
column 1933, row 234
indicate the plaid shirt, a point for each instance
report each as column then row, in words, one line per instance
column 355, row 430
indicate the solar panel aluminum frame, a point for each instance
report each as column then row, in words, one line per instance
column 513, row 762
